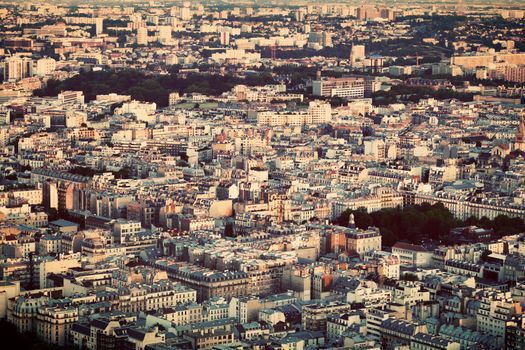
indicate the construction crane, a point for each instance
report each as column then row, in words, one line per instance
column 273, row 49
column 417, row 57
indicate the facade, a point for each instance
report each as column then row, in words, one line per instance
column 54, row 322
column 363, row 241
column 315, row 316
column 352, row 88
column 16, row 68
column 495, row 313
column 412, row 255
column 209, row 340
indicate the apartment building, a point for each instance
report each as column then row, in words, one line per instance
column 315, row 316
column 209, row 283
column 54, row 321
column 208, row 340
column 495, row 312
column 348, row 87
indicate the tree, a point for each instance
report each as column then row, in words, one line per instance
column 410, row 277
column 52, row 214
column 472, row 221
column 368, row 131
column 228, row 230
column 416, row 223
column 149, row 88
column 337, row 101
column 485, row 255
column 362, row 218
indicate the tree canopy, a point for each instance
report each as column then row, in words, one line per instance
column 149, row 88
column 416, row 223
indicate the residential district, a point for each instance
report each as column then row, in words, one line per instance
column 263, row 175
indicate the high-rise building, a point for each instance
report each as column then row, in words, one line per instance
column 44, row 66
column 320, row 39
column 164, row 34
column 357, row 55
column 300, row 15
column 5, row 115
column 225, row 38
column 375, row 148
column 368, row 12
column 97, row 22
column 16, row 68
column 515, row 73
column 185, row 13
column 99, row 25
column 320, row 112
column 350, row 87
column 326, row 38
column 142, row 36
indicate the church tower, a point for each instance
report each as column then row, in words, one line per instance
column 351, row 221
column 519, row 143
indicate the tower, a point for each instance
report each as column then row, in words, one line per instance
column 519, row 143
column 142, row 36
column 351, row 221
column 99, row 25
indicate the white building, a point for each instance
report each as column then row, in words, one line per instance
column 16, row 68
column 496, row 308
column 44, row 66
column 142, row 36
column 412, row 255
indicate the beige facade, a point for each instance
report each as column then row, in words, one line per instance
column 53, row 323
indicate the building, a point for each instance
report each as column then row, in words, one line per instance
column 318, row 113
column 209, row 283
column 412, row 255
column 45, row 66
column 348, row 87
column 142, row 36
column 64, row 226
column 209, row 340
column 357, row 55
column 400, row 332
column 495, row 314
column 125, row 230
column 314, row 317
column 515, row 73
column 473, row 61
column 422, row 341
column 54, row 321
column 16, row 68
column 363, row 241
column 519, row 143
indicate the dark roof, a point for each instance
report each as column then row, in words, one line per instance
column 99, row 323
column 347, row 284
column 136, row 334
column 63, row 223
column 408, row 246
column 399, row 326
column 81, row 328
column 434, row 341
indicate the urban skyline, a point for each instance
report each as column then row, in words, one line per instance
column 246, row 175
